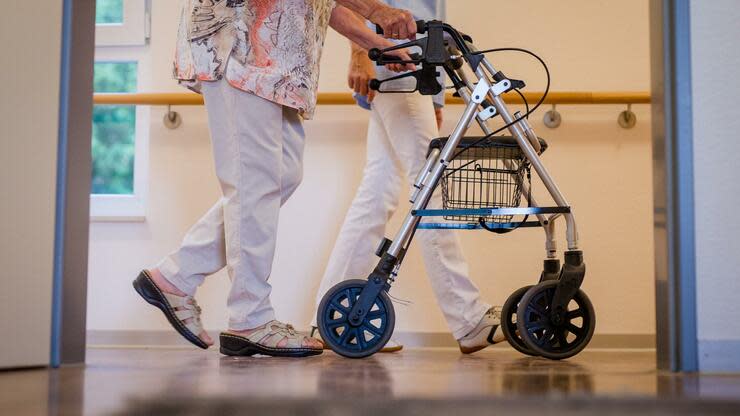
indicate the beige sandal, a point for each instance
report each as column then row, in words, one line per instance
column 274, row 338
column 177, row 309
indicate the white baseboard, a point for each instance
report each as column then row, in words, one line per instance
column 408, row 339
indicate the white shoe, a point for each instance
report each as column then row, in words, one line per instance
column 486, row 333
column 390, row 346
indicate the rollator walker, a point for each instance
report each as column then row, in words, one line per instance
column 484, row 181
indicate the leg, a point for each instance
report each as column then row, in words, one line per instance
column 410, row 124
column 258, row 163
column 248, row 165
column 273, row 337
column 201, row 253
column 246, row 134
column 203, row 249
column 373, row 205
column 292, row 158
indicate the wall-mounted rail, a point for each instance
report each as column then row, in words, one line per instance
column 552, row 118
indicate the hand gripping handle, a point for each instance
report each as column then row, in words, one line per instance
column 421, row 28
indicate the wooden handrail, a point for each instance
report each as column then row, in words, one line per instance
column 345, row 98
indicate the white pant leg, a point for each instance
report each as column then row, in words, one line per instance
column 258, row 149
column 202, row 252
column 410, row 124
column 203, row 249
column 353, row 255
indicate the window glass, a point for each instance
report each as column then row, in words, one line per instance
column 114, row 130
column 108, row 11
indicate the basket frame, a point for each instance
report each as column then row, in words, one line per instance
column 490, row 174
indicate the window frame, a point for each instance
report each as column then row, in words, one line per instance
column 134, row 31
column 128, row 207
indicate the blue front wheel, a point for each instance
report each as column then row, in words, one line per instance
column 345, row 338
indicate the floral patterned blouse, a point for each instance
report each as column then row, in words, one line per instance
column 272, row 47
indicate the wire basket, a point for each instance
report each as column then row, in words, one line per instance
column 489, row 174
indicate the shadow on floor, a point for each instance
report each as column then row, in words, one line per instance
column 380, row 406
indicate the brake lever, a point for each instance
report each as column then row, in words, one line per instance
column 375, row 83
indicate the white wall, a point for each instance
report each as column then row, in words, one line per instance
column 604, row 170
column 715, row 30
column 29, row 114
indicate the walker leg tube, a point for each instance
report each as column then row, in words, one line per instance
column 419, row 183
column 551, row 245
column 552, row 188
column 411, row 221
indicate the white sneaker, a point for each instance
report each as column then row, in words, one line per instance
column 390, row 346
column 487, row 332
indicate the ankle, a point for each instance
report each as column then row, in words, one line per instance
column 163, row 284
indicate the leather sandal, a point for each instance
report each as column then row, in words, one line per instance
column 177, row 309
column 275, row 339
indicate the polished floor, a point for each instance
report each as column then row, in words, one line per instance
column 166, row 381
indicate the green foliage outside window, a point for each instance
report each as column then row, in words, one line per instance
column 108, row 11
column 114, row 131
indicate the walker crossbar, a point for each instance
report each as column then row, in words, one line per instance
column 472, row 226
column 485, row 212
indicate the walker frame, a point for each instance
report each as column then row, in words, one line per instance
column 540, row 328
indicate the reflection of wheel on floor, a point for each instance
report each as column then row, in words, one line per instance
column 548, row 338
column 529, row 376
column 354, row 341
column 508, row 321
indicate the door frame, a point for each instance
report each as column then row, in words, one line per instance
column 673, row 186
column 675, row 270
column 72, row 217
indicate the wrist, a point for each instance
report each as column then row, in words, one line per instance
column 358, row 51
column 373, row 8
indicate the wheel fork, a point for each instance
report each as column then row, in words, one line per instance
column 376, row 281
column 570, row 280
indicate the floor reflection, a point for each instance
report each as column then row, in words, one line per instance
column 356, row 378
column 66, row 392
column 534, row 376
column 115, row 378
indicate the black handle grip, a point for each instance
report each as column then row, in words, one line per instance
column 374, row 84
column 374, row 54
column 421, row 28
column 377, row 55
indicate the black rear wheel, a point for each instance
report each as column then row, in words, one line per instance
column 542, row 333
column 345, row 338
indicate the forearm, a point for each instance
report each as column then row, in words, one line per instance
column 363, row 7
column 356, row 49
column 351, row 26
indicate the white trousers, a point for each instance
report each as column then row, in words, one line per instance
column 401, row 127
column 258, row 153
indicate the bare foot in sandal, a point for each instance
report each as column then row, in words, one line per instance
column 180, row 309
